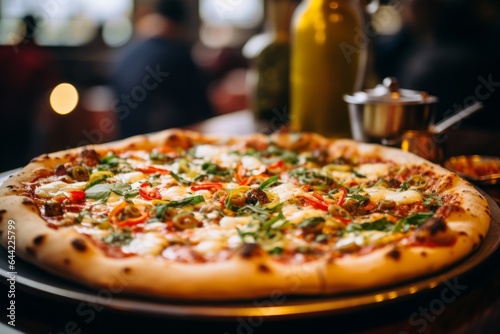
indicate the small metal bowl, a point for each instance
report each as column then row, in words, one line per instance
column 476, row 168
column 386, row 111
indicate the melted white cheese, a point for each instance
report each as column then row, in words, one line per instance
column 373, row 170
column 286, row 191
column 208, row 151
column 400, row 197
column 56, row 188
column 175, row 193
column 130, row 177
column 232, row 222
column 146, row 244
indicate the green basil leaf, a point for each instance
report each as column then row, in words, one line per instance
column 269, row 181
column 276, row 250
column 416, row 219
column 180, row 179
column 355, row 172
column 378, row 225
column 160, row 209
column 131, row 193
column 270, row 222
column 119, row 238
column 98, row 192
column 81, row 215
column 311, row 222
column 120, row 188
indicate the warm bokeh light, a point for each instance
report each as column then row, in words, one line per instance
column 64, row 98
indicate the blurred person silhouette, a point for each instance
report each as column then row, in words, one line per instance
column 156, row 82
column 449, row 49
column 29, row 71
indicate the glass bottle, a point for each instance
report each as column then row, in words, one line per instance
column 270, row 54
column 328, row 60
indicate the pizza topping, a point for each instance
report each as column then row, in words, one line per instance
column 79, row 173
column 149, row 193
column 60, row 170
column 52, row 209
column 294, row 202
column 119, row 238
column 90, row 157
column 127, row 214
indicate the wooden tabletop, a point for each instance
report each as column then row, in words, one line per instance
column 467, row 303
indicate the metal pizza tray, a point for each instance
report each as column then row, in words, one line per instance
column 454, row 164
column 35, row 281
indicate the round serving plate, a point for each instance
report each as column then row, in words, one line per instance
column 35, row 281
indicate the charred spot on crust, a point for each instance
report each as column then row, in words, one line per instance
column 127, row 270
column 67, row 262
column 250, row 250
column 39, row 239
column 434, row 225
column 263, row 268
column 481, row 237
column 27, row 201
column 462, row 233
column 79, row 245
column 30, row 251
column 394, row 254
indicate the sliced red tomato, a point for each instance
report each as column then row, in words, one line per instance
column 152, row 169
column 148, row 192
column 77, row 196
column 212, row 186
column 316, row 203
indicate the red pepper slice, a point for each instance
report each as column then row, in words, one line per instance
column 343, row 194
column 113, row 216
column 277, row 165
column 152, row 169
column 251, row 179
column 345, row 221
column 222, row 200
column 77, row 196
column 316, row 203
column 212, row 186
column 148, row 192
column 239, row 173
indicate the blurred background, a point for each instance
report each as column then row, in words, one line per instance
column 74, row 72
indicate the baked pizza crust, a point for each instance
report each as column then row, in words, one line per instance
column 250, row 272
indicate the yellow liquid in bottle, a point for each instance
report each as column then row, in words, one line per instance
column 321, row 73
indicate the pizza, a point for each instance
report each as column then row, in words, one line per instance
column 187, row 216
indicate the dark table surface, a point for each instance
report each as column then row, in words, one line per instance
column 466, row 303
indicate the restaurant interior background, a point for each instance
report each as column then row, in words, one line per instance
column 441, row 46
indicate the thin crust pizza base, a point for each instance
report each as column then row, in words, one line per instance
column 248, row 273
